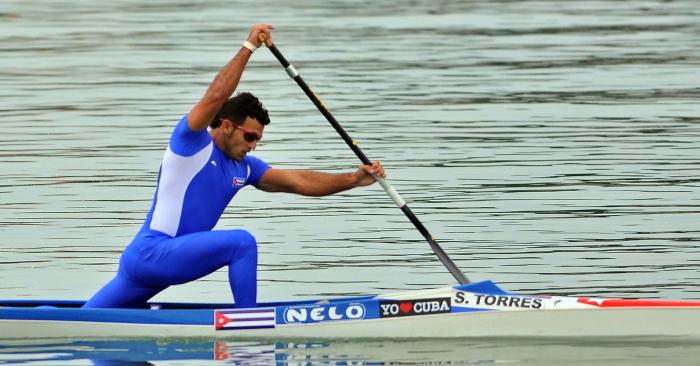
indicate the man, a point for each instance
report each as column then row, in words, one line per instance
column 200, row 173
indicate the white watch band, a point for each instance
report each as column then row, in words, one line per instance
column 249, row 46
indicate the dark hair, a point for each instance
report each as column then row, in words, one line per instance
column 239, row 107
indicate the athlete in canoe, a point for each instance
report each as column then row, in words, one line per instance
column 200, row 173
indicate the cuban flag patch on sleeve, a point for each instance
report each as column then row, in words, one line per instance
column 238, row 181
column 253, row 318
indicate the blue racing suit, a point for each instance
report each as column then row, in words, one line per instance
column 176, row 243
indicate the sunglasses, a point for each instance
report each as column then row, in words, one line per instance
column 249, row 135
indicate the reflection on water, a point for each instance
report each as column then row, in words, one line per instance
column 435, row 352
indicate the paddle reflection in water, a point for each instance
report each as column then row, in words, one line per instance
column 645, row 351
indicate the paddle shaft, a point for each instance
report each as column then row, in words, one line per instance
column 444, row 258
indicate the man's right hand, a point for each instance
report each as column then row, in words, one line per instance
column 257, row 30
column 224, row 84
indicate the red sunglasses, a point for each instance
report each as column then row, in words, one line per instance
column 249, row 135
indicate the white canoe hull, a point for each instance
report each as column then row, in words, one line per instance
column 560, row 323
column 552, row 317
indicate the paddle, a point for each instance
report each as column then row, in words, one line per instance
column 449, row 264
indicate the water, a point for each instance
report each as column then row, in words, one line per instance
column 450, row 352
column 548, row 146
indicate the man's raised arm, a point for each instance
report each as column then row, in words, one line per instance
column 225, row 81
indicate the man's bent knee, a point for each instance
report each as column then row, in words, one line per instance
column 246, row 241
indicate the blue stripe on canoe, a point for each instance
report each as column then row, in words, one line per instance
column 483, row 287
column 134, row 316
column 186, row 316
column 173, row 305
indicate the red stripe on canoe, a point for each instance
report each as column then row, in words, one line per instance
column 626, row 303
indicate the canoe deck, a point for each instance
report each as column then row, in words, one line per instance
column 475, row 310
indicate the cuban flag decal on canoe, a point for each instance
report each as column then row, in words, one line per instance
column 254, row 318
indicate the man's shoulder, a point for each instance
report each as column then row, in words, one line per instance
column 185, row 141
column 255, row 167
column 183, row 128
column 252, row 159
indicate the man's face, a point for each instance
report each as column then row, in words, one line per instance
column 240, row 140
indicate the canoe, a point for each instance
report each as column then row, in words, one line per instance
column 479, row 309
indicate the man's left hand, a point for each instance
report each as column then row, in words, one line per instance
column 365, row 172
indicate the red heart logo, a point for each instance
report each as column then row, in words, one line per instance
column 406, row 307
